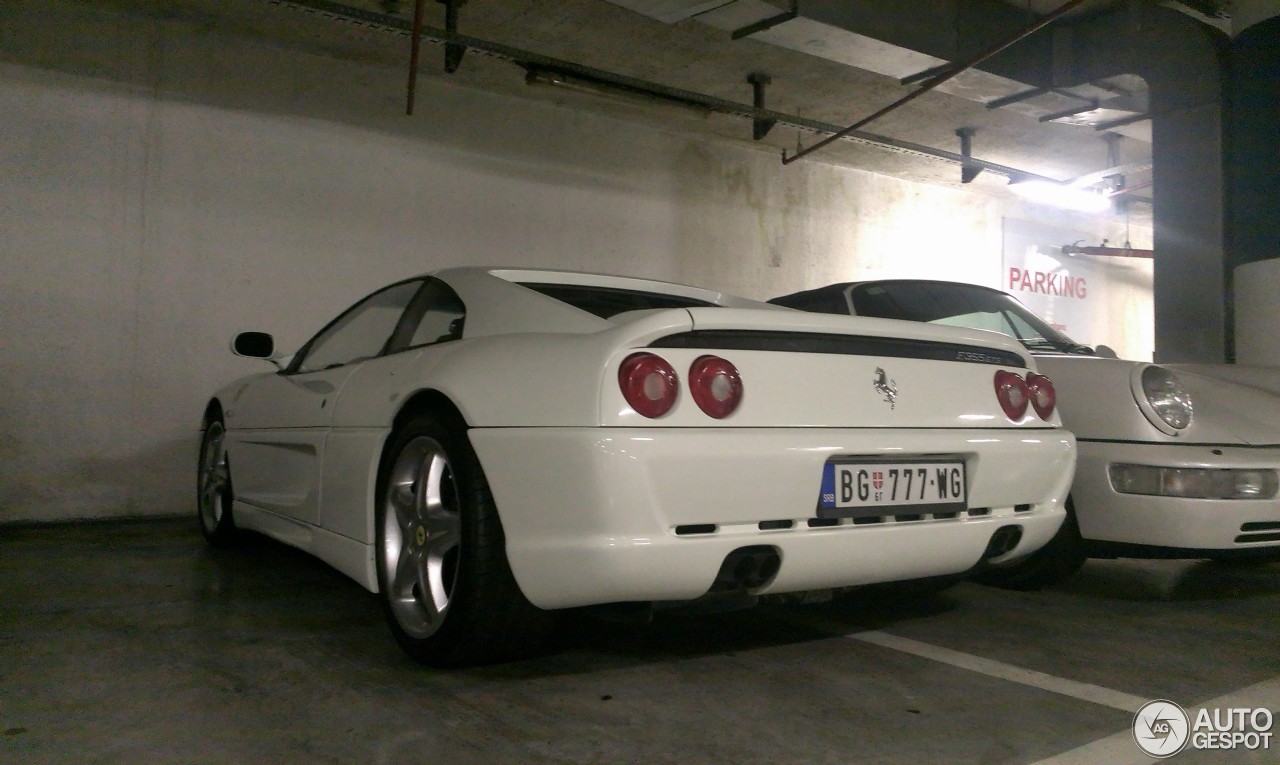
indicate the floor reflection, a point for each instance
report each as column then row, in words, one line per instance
column 1178, row 580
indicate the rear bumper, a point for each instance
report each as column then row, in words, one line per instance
column 1135, row 525
column 593, row 515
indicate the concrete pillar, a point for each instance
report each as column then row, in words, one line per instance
column 1252, row 156
column 1257, row 324
column 1183, row 62
column 1189, row 280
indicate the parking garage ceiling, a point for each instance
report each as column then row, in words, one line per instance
column 689, row 65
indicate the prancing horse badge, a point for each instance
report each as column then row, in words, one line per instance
column 886, row 387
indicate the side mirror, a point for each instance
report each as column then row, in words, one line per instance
column 255, row 345
column 1105, row 352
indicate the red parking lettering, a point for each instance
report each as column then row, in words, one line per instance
column 1059, row 284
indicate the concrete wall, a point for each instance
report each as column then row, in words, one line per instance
column 164, row 186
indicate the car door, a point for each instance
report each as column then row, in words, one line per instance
column 433, row 319
column 277, row 425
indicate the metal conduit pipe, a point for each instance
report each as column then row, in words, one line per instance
column 541, row 68
column 943, row 76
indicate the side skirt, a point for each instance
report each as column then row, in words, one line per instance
column 355, row 559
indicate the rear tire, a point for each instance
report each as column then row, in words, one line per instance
column 213, row 486
column 446, row 588
column 1057, row 560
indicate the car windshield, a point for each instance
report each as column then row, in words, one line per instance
column 607, row 302
column 961, row 305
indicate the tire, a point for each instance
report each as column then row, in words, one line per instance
column 446, row 588
column 213, row 487
column 1057, row 560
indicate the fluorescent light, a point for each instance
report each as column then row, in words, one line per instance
column 1061, row 195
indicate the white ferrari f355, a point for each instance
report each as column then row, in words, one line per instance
column 485, row 446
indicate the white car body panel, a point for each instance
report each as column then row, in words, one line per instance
column 285, row 420
column 1169, row 522
column 1233, row 403
column 590, row 492
column 1235, row 425
column 635, row 486
column 1228, row 410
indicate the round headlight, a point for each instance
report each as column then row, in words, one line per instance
column 1166, row 397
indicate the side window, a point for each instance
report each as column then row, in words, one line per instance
column 360, row 333
column 838, row 302
column 827, row 301
column 990, row 320
column 874, row 301
column 436, row 315
column 1023, row 331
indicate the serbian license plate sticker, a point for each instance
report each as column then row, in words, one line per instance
column 853, row 487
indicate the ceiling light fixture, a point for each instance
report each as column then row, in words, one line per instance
column 1061, row 195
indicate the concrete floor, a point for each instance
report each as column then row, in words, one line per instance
column 133, row 642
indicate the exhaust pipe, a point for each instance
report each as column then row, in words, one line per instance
column 748, row 568
column 1002, row 541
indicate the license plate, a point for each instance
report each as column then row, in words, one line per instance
column 855, row 487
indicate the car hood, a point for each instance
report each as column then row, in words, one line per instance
column 1232, row 405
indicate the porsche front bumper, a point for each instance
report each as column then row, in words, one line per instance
column 1143, row 525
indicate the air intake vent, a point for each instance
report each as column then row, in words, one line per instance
column 696, row 528
column 1259, row 531
column 773, row 525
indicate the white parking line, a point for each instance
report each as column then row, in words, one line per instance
column 1083, row 691
column 1117, row 749
column 1120, row 749
column 1095, row 694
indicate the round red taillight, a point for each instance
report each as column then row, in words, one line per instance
column 1043, row 397
column 1011, row 391
column 716, row 386
column 648, row 383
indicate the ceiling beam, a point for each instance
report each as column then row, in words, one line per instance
column 942, row 77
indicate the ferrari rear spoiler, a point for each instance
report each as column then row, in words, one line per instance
column 801, row 332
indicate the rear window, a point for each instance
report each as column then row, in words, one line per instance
column 607, row 302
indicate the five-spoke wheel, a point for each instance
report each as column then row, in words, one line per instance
column 447, row 588
column 213, row 485
column 421, row 529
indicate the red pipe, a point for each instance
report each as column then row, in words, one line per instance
column 1117, row 252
